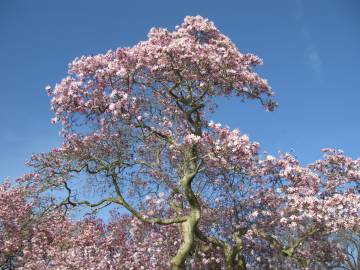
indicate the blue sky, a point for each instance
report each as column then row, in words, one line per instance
column 311, row 51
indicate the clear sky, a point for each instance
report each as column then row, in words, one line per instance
column 311, row 51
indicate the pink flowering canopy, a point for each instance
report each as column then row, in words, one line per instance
column 182, row 192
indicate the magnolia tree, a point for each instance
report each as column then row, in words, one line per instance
column 182, row 191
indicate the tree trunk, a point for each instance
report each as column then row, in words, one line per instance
column 233, row 259
column 189, row 226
